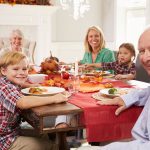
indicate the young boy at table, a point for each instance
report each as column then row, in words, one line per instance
column 124, row 68
column 13, row 73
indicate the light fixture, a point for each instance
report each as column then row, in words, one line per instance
column 79, row 7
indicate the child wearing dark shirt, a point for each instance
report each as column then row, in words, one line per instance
column 124, row 68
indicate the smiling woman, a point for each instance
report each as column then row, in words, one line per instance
column 95, row 48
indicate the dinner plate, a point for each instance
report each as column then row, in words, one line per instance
column 106, row 72
column 49, row 91
column 138, row 84
column 95, row 72
column 120, row 91
column 100, row 97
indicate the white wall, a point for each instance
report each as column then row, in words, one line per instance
column 70, row 30
column 147, row 12
column 68, row 34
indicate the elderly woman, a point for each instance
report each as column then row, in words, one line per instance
column 16, row 44
column 95, row 51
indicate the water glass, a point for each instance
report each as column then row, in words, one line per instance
column 74, row 85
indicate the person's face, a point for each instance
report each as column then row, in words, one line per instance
column 144, row 50
column 16, row 42
column 17, row 73
column 94, row 39
column 124, row 55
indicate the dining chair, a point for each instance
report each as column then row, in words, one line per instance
column 115, row 54
column 141, row 74
column 30, row 45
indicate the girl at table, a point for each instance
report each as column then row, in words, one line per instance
column 95, row 50
column 124, row 68
column 13, row 73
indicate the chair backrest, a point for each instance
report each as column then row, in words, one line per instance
column 30, row 45
column 141, row 73
column 115, row 54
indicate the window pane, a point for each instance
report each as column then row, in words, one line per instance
column 135, row 24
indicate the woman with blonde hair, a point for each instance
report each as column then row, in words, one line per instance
column 95, row 50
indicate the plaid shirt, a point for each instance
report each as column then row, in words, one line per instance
column 9, row 113
column 119, row 68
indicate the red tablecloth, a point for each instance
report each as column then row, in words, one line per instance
column 101, row 122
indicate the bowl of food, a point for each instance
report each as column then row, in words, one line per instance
column 36, row 78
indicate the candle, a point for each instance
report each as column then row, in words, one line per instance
column 76, row 67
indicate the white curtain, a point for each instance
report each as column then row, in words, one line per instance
column 147, row 12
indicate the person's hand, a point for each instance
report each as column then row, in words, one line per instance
column 116, row 101
column 59, row 98
column 87, row 66
column 120, row 76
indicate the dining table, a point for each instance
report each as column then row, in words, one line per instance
column 100, row 121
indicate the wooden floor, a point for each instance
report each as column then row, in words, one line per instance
column 85, row 143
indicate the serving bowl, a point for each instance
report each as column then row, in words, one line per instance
column 36, row 78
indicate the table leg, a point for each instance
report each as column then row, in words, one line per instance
column 61, row 140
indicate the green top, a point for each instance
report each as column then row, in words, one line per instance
column 104, row 55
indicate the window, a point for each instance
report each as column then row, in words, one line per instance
column 135, row 23
column 130, row 21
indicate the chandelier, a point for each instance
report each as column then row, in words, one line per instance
column 79, row 7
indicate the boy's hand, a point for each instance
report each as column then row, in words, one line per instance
column 59, row 98
column 116, row 101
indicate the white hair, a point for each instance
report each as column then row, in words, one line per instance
column 17, row 32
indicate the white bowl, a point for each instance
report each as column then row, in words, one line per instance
column 36, row 78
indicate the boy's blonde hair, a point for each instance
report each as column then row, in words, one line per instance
column 10, row 58
column 88, row 48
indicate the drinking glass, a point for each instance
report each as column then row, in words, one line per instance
column 74, row 84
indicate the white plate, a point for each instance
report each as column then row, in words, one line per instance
column 93, row 72
column 120, row 91
column 50, row 91
column 101, row 97
column 106, row 72
column 138, row 84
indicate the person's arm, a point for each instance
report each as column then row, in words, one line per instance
column 137, row 97
column 125, row 76
column 95, row 65
column 26, row 102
